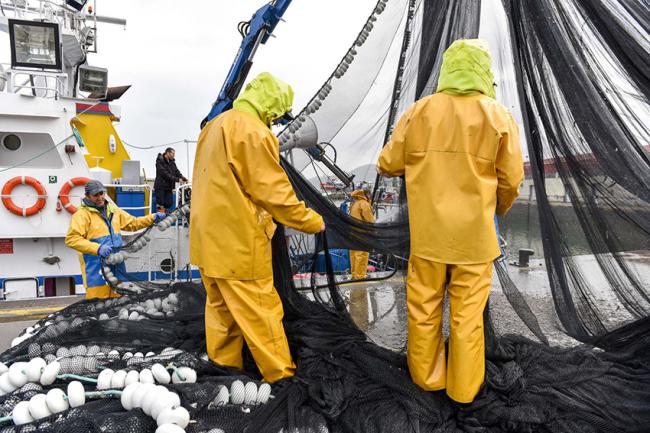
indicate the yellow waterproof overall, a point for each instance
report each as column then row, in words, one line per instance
column 362, row 210
column 460, row 155
column 238, row 189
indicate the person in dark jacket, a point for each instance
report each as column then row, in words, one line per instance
column 167, row 174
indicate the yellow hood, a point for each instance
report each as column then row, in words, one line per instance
column 359, row 195
column 466, row 69
column 266, row 97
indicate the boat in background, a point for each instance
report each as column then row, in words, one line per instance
column 57, row 116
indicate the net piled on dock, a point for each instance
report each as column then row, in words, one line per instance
column 583, row 79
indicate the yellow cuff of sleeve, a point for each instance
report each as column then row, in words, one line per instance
column 314, row 224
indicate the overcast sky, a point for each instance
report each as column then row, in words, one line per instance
column 176, row 58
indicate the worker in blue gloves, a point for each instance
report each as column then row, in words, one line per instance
column 95, row 231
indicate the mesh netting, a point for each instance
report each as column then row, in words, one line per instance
column 582, row 88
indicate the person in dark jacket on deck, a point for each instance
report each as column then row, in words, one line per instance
column 167, row 174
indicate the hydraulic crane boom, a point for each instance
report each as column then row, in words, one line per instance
column 254, row 32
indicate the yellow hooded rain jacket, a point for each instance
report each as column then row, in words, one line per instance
column 89, row 229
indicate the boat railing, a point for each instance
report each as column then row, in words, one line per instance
column 53, row 85
column 182, row 195
column 148, row 191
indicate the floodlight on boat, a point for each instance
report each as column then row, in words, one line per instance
column 34, row 44
column 93, row 79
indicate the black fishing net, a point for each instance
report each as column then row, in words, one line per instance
column 581, row 85
column 129, row 276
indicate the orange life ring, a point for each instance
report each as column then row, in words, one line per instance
column 23, row 211
column 64, row 193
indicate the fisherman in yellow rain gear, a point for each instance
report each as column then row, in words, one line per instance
column 360, row 209
column 239, row 188
column 460, row 154
column 95, row 230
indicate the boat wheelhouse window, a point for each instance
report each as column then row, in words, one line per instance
column 11, row 142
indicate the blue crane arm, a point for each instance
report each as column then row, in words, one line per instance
column 255, row 32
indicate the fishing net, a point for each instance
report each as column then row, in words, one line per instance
column 580, row 81
column 130, row 276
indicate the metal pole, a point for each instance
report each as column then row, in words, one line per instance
column 187, row 156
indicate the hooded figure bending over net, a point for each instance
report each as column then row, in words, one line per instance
column 239, row 188
column 460, row 154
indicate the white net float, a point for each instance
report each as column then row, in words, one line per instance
column 140, row 393
column 104, row 379
column 21, row 415
column 146, row 376
column 170, row 428
column 165, row 402
column 151, row 397
column 17, row 375
column 34, row 369
column 263, row 393
column 56, row 400
column 38, row 407
column 118, row 379
column 132, row 376
column 50, row 372
column 179, row 416
column 127, row 395
column 76, row 394
column 223, row 396
column 237, row 392
column 250, row 393
column 5, row 385
column 161, row 374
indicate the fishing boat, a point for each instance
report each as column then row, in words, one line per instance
column 585, row 206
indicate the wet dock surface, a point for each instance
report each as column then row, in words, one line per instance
column 18, row 315
column 379, row 308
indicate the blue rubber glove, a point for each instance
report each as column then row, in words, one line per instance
column 159, row 216
column 104, row 250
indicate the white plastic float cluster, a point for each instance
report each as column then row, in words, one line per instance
column 81, row 360
column 44, row 405
column 157, row 307
column 58, row 324
column 109, row 379
column 21, row 373
column 29, row 333
column 140, row 391
column 248, row 394
column 340, row 71
column 159, row 403
column 38, row 370
column 120, row 256
column 155, row 400
column 172, row 217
